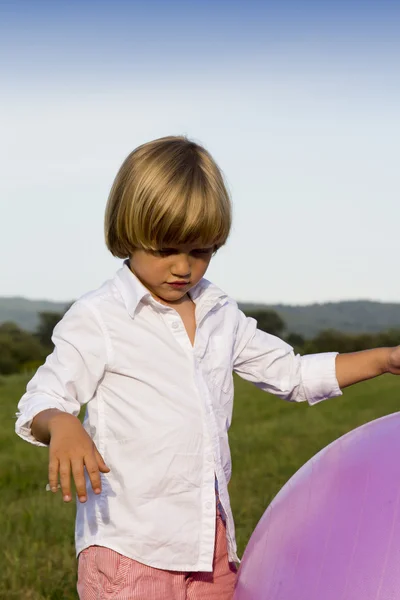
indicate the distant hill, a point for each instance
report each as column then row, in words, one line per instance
column 352, row 316
column 25, row 312
column 361, row 316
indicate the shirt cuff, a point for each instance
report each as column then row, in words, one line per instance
column 25, row 418
column 319, row 380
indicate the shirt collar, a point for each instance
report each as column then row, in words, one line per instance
column 131, row 289
column 204, row 294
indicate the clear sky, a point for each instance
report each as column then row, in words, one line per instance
column 298, row 101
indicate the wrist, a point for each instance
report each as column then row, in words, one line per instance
column 379, row 360
column 44, row 421
column 386, row 360
column 58, row 418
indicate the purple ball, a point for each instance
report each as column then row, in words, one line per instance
column 333, row 531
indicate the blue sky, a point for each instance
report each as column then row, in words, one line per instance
column 297, row 101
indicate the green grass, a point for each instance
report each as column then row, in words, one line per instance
column 270, row 440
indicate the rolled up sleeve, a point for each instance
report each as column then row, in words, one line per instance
column 318, row 374
column 71, row 374
column 270, row 363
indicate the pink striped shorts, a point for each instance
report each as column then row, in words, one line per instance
column 103, row 574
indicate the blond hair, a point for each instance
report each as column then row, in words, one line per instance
column 168, row 192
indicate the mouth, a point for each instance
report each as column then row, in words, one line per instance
column 178, row 284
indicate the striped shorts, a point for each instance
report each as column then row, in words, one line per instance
column 103, row 574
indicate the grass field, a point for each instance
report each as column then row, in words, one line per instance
column 270, row 440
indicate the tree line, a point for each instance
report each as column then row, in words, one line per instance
column 23, row 351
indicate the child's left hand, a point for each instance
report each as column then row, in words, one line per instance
column 394, row 361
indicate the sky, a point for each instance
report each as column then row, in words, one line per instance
column 297, row 101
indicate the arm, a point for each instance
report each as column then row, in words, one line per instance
column 70, row 375
column 271, row 365
column 359, row 366
column 48, row 412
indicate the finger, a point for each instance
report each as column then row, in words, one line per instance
column 100, row 462
column 65, row 479
column 53, row 474
column 78, row 474
column 92, row 469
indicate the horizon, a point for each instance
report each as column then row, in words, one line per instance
column 298, row 102
column 240, row 302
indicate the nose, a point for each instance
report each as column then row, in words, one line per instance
column 181, row 266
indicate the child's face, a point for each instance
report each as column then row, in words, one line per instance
column 169, row 273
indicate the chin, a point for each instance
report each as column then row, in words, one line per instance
column 175, row 295
column 169, row 294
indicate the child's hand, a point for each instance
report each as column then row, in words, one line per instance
column 394, row 361
column 71, row 448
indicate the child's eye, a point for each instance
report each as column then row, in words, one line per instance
column 164, row 252
column 202, row 251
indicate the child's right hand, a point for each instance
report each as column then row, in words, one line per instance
column 72, row 449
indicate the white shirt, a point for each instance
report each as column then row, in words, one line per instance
column 159, row 410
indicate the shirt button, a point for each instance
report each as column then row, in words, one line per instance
column 208, row 505
column 210, row 458
column 175, row 325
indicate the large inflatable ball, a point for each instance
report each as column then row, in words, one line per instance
column 333, row 531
